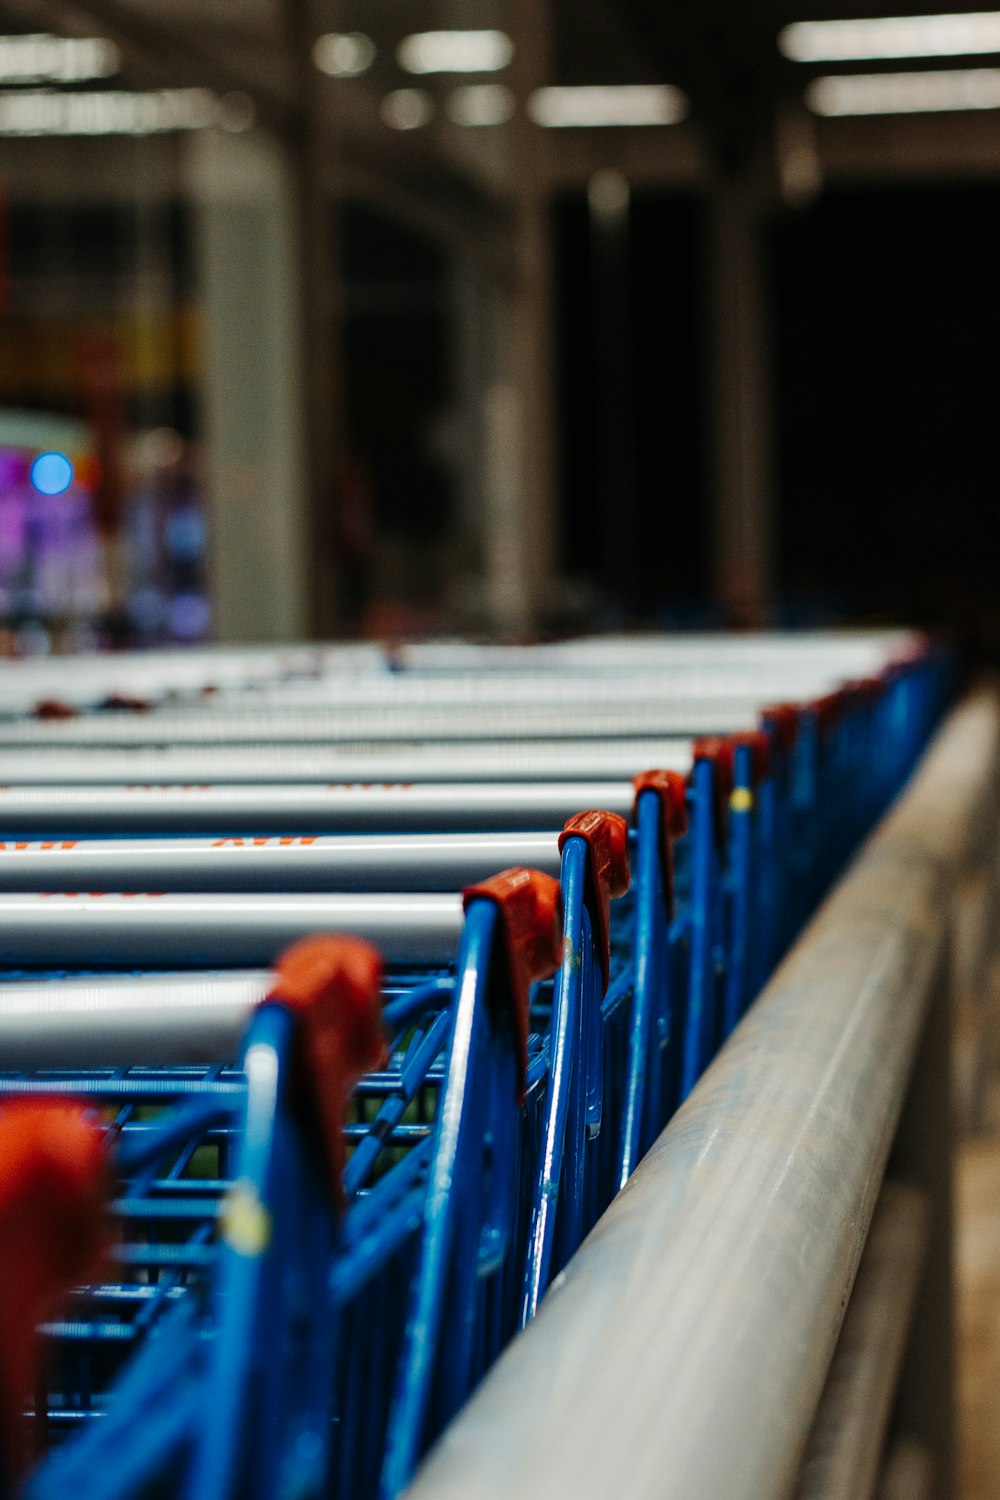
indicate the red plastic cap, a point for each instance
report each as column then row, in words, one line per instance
column 671, row 788
column 122, row 703
column 530, row 906
column 782, row 719
column 608, row 873
column 758, row 742
column 919, row 650
column 54, row 1185
column 54, row 708
column 334, row 985
column 829, row 709
column 863, row 691
column 719, row 751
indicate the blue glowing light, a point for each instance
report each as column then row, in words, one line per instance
column 51, row 473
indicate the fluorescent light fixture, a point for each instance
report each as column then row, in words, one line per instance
column 42, row 58
column 480, row 104
column 344, row 54
column 110, row 112
column 608, row 104
column 904, row 93
column 407, row 109
column 455, row 52
column 960, row 35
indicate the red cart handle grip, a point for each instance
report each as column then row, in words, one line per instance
column 608, row 873
column 758, row 742
column 719, row 751
column 54, row 708
column 530, row 906
column 124, row 703
column 783, row 721
column 333, row 985
column 863, row 691
column 829, row 709
column 671, row 788
column 54, row 1186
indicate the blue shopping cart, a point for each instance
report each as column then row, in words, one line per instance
column 209, row 1358
column 227, row 1321
column 522, row 1085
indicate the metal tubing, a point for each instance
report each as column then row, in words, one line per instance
column 366, row 862
column 587, row 719
column 542, row 760
column 685, row 1348
column 59, row 929
column 853, row 652
column 845, row 1446
column 611, row 684
column 153, row 1020
column 84, row 681
column 121, row 1020
column 696, row 644
column 241, row 810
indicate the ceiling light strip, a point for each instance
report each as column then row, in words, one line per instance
column 905, row 93
column 883, row 37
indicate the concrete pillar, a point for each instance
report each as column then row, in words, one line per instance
column 253, row 397
column 608, row 199
column 742, row 533
column 521, row 503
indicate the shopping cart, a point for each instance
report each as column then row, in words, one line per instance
column 227, row 1185
column 191, row 1284
column 487, row 1146
column 382, row 1231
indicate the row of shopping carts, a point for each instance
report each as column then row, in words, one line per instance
column 521, row 896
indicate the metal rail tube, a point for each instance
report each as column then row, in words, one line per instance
column 50, row 931
column 586, row 720
column 612, row 685
column 366, row 862
column 89, row 678
column 83, row 681
column 848, row 651
column 845, row 1446
column 543, row 760
column 684, row 1350
column 240, row 810
column 120, row 1020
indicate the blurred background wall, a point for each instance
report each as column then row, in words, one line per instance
column 501, row 316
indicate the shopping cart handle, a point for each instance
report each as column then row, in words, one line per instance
column 530, row 905
column 54, row 1185
column 333, row 985
column 671, row 789
column 829, row 709
column 781, row 721
column 719, row 751
column 758, row 742
column 608, row 873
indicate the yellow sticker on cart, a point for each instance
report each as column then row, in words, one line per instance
column 246, row 1223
